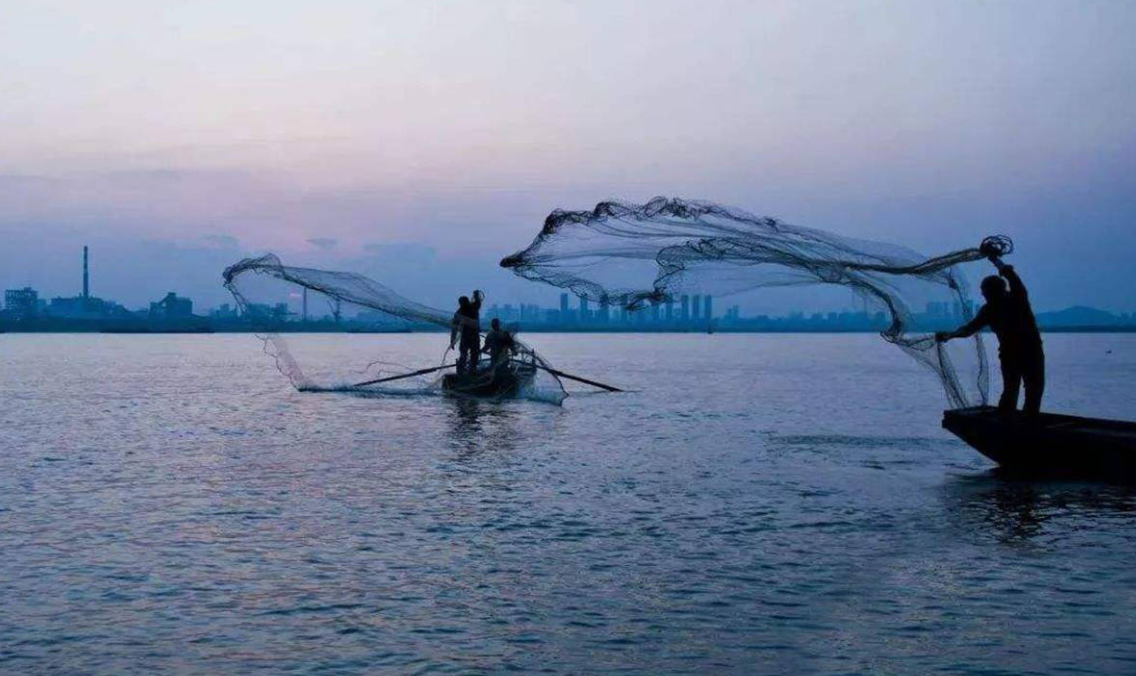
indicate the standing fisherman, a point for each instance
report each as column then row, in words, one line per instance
column 467, row 325
column 1008, row 314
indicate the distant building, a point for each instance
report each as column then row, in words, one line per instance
column 530, row 312
column 85, row 306
column 255, row 311
column 225, row 311
column 695, row 307
column 21, row 304
column 684, row 314
column 708, row 308
column 584, row 313
column 172, row 307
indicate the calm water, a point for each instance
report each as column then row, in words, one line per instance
column 759, row 504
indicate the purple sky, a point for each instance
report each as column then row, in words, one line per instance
column 418, row 142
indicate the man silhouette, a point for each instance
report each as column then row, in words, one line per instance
column 498, row 343
column 1008, row 314
column 466, row 324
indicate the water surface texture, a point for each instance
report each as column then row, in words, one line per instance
column 758, row 504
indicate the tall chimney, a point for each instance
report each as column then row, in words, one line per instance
column 86, row 277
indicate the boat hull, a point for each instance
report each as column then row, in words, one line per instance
column 1048, row 443
column 501, row 383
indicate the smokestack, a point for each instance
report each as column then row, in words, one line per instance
column 86, row 277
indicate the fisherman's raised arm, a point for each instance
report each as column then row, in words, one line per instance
column 1017, row 288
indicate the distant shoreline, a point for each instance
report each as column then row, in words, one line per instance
column 524, row 330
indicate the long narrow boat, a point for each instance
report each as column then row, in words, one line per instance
column 503, row 382
column 1049, row 443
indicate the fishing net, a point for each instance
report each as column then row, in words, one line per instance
column 345, row 331
column 636, row 255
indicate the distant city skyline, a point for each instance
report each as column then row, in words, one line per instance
column 24, row 308
column 823, row 300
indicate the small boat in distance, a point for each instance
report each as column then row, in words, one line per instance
column 1049, row 443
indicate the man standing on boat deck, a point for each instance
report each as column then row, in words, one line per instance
column 1010, row 317
column 467, row 325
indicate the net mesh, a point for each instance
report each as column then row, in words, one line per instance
column 313, row 308
column 634, row 255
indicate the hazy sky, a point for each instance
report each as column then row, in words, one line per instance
column 418, row 141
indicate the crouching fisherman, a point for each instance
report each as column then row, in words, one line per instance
column 1008, row 314
column 499, row 344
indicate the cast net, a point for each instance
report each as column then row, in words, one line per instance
column 637, row 255
column 344, row 331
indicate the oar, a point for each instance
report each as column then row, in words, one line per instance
column 569, row 376
column 404, row 375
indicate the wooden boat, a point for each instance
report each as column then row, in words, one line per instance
column 1048, row 443
column 502, row 382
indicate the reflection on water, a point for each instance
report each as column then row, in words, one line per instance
column 1014, row 508
column 476, row 426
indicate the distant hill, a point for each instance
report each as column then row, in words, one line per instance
column 1080, row 315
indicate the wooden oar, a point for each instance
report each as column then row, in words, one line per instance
column 404, row 375
column 569, row 376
